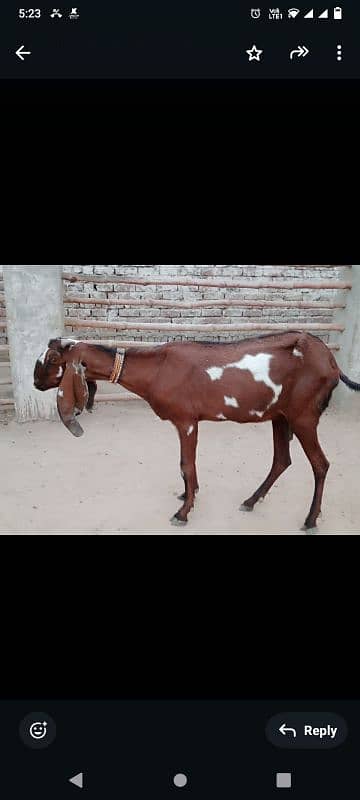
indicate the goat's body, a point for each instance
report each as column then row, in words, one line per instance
column 287, row 379
column 249, row 381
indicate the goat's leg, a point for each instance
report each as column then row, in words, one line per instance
column 282, row 461
column 92, row 386
column 183, row 495
column 197, row 487
column 188, row 442
column 306, row 432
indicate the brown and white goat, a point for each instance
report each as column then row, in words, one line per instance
column 287, row 379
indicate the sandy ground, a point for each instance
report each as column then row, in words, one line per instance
column 123, row 477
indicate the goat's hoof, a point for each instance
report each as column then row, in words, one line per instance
column 246, row 508
column 178, row 523
column 310, row 531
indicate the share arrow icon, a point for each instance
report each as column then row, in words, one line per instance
column 300, row 52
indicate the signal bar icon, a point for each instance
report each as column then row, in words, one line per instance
column 324, row 14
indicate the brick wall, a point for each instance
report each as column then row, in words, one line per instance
column 294, row 316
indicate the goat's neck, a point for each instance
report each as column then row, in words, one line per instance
column 138, row 372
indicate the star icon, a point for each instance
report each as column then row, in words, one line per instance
column 254, row 53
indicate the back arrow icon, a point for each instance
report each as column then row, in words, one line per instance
column 78, row 780
column 300, row 51
column 284, row 730
column 21, row 52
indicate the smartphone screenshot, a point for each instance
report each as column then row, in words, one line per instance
column 179, row 400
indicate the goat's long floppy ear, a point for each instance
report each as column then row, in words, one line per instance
column 72, row 393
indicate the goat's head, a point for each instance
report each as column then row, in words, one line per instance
column 61, row 366
column 50, row 366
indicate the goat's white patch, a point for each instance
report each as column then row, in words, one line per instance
column 190, row 430
column 231, row 401
column 259, row 366
column 43, row 357
column 59, row 375
column 298, row 353
column 254, row 413
column 79, row 368
column 220, row 416
column 67, row 342
column 61, row 393
column 215, row 373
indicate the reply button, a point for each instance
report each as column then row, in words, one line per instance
column 307, row 731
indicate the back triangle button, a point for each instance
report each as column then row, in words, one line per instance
column 78, row 780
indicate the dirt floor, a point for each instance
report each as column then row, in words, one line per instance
column 123, row 477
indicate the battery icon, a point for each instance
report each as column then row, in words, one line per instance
column 337, row 12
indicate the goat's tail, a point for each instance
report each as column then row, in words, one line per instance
column 351, row 384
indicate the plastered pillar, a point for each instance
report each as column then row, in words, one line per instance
column 35, row 314
column 349, row 356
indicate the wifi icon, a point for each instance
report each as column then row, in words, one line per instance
column 293, row 12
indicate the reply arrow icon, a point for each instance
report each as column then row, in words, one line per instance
column 21, row 52
column 300, row 52
column 284, row 730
